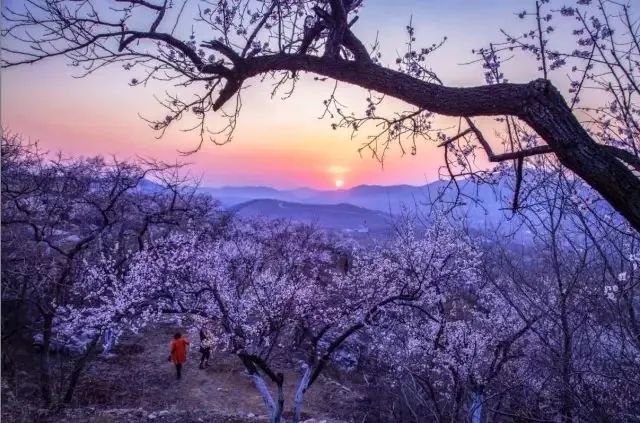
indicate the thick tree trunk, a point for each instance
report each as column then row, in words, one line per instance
column 78, row 368
column 253, row 364
column 538, row 103
column 299, row 397
column 477, row 402
column 549, row 115
column 108, row 341
column 261, row 385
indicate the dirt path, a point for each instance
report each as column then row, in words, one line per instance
column 139, row 375
column 221, row 386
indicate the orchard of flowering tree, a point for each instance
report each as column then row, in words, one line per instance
column 446, row 325
column 441, row 319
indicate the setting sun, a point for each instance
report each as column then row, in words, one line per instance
column 339, row 183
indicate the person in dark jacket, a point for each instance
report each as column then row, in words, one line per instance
column 206, row 342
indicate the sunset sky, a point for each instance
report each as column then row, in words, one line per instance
column 280, row 143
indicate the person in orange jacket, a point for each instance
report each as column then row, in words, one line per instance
column 178, row 354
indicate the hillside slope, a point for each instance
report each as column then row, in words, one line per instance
column 342, row 217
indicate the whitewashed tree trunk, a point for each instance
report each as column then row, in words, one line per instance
column 261, row 385
column 302, row 388
column 477, row 401
column 108, row 340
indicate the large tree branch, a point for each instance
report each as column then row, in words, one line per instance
column 492, row 100
column 537, row 103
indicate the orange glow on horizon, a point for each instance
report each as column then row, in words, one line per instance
column 277, row 143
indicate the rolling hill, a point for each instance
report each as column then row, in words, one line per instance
column 341, row 217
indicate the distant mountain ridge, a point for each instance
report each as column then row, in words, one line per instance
column 372, row 208
column 391, row 200
column 480, row 205
column 365, row 209
column 369, row 196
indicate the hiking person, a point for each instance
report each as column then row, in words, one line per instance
column 178, row 353
column 206, row 342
